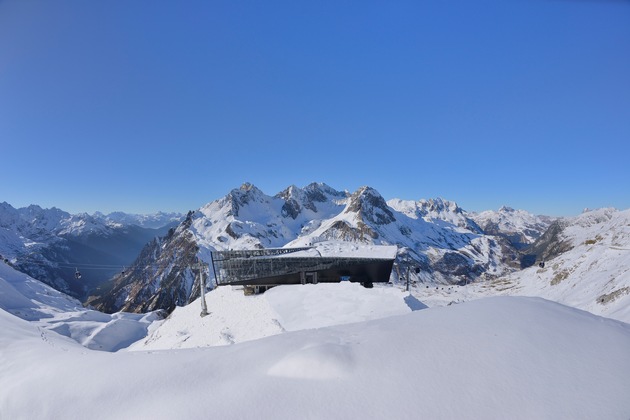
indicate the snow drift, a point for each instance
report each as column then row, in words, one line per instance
column 235, row 318
column 502, row 357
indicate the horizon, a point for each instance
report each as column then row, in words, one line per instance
column 153, row 106
column 92, row 212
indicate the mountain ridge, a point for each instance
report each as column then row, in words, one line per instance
column 51, row 244
column 436, row 235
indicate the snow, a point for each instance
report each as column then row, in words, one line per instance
column 285, row 354
column 51, row 310
column 502, row 357
column 594, row 275
column 235, row 318
column 508, row 220
column 341, row 249
column 315, row 306
column 348, row 249
column 152, row 221
column 34, row 226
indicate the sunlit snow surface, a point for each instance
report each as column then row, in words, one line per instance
column 235, row 317
column 340, row 249
column 52, row 310
column 327, row 351
column 503, row 357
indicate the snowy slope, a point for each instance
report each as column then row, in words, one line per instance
column 505, row 357
column 591, row 273
column 235, row 318
column 594, row 274
column 51, row 310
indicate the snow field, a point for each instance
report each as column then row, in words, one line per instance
column 51, row 310
column 235, row 318
column 502, row 357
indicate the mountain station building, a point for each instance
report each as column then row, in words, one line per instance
column 326, row 262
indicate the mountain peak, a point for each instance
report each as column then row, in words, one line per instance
column 370, row 205
column 247, row 186
column 323, row 188
column 438, row 205
column 239, row 197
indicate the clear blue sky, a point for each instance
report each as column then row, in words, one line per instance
column 142, row 106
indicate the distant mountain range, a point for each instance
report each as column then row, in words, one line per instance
column 51, row 244
column 586, row 264
column 139, row 263
column 447, row 244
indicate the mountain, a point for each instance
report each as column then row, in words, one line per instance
column 51, row 244
column 165, row 274
column 152, row 221
column 586, row 264
column 519, row 227
column 447, row 246
column 436, row 236
column 327, row 349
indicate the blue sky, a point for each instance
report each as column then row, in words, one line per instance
column 142, row 106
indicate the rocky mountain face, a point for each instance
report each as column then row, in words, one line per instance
column 436, row 236
column 50, row 245
column 559, row 238
column 165, row 274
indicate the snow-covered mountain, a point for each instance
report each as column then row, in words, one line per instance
column 336, row 350
column 436, row 209
column 448, row 244
column 164, row 275
column 51, row 244
column 152, row 221
column 519, row 227
column 586, row 264
column 435, row 235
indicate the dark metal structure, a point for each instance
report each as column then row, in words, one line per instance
column 271, row 267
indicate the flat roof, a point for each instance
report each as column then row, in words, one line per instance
column 346, row 250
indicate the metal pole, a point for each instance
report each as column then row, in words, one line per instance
column 214, row 270
column 408, row 268
column 202, row 292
